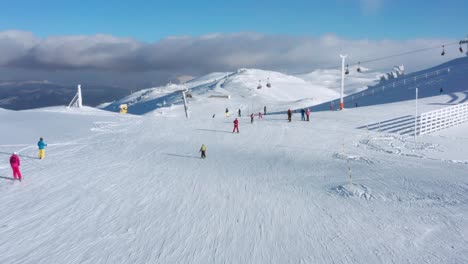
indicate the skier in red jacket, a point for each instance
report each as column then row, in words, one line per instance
column 15, row 163
column 236, row 126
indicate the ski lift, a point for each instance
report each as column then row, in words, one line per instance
column 268, row 83
column 359, row 67
column 347, row 69
column 259, row 85
column 443, row 50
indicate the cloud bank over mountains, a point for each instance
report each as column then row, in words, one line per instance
column 108, row 59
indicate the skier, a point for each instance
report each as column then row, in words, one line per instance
column 251, row 118
column 303, row 114
column 441, row 90
column 203, row 151
column 227, row 112
column 264, row 110
column 15, row 163
column 239, row 113
column 308, row 113
column 236, row 126
column 289, row 115
column 260, row 116
column 41, row 144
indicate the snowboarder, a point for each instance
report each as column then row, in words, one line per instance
column 251, row 118
column 227, row 112
column 264, row 110
column 236, row 126
column 303, row 114
column 260, row 116
column 239, row 113
column 203, row 151
column 308, row 114
column 15, row 164
column 289, row 115
column 41, row 144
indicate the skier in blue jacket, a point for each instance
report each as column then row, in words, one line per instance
column 41, row 144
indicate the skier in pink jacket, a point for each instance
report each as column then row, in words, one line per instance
column 15, row 164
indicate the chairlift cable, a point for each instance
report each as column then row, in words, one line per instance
column 390, row 56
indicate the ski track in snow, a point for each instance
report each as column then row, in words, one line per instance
column 134, row 190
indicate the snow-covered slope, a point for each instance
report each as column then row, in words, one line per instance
column 131, row 189
column 451, row 76
column 240, row 86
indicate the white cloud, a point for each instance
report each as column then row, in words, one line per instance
column 204, row 54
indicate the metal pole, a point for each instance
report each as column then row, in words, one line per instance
column 416, row 116
column 185, row 105
column 343, row 58
column 80, row 99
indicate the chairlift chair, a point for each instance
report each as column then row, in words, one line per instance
column 359, row 67
column 347, row 69
column 443, row 50
column 460, row 49
column 259, row 85
column 268, row 83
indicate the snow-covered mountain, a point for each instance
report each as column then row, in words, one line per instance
column 241, row 85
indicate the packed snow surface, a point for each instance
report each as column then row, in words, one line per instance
column 132, row 189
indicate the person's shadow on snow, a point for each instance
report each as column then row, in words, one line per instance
column 181, row 156
column 7, row 178
column 213, row 130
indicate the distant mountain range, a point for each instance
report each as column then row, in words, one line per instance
column 20, row 95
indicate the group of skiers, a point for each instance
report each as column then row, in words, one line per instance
column 305, row 114
column 15, row 160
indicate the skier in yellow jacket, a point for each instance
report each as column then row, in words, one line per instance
column 203, row 151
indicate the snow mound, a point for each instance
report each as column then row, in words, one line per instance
column 282, row 87
column 352, row 158
column 353, row 190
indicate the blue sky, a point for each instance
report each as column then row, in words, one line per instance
column 153, row 20
column 143, row 43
